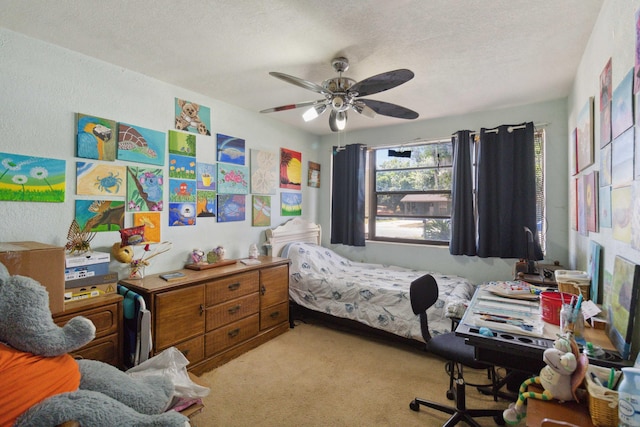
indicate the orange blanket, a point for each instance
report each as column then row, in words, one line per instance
column 26, row 379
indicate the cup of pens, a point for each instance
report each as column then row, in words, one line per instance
column 571, row 318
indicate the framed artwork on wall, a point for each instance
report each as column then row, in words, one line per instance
column 314, row 175
column 182, row 190
column 622, row 304
column 585, row 135
column 591, row 200
column 264, row 172
column 635, row 215
column 605, row 165
column 141, row 145
column 261, row 211
column 100, row 179
column 206, row 174
column 621, row 213
column 182, row 143
column 622, row 158
column 192, row 117
column 290, row 169
column 181, row 214
column 605, row 105
column 230, row 149
column 207, row 204
column 604, row 207
column 622, row 106
column 232, row 179
column 231, row 207
column 32, row 179
column 145, row 187
column 183, row 167
column 100, row 215
column 152, row 225
column 290, row 204
column 95, row 137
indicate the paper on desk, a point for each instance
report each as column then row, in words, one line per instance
column 589, row 309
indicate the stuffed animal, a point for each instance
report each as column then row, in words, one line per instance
column 42, row 385
column 564, row 371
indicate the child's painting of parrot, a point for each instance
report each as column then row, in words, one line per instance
column 97, row 138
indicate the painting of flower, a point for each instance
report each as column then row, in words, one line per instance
column 264, row 172
column 183, row 167
column 31, row 179
column 232, row 179
column 290, row 169
column 261, row 211
column 100, row 179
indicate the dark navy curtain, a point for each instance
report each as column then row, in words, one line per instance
column 506, row 191
column 347, row 204
column 463, row 224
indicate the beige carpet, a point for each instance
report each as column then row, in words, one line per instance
column 316, row 376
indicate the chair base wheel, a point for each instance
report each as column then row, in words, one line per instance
column 450, row 394
column 499, row 420
column 414, row 406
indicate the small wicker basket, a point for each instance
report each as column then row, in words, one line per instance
column 574, row 282
column 603, row 403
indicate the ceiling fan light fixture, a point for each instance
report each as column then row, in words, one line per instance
column 341, row 120
column 313, row 112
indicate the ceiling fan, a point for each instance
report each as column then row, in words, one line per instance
column 342, row 94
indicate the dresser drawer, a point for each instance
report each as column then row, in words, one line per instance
column 104, row 349
column 231, row 311
column 228, row 288
column 274, row 315
column 230, row 335
column 104, row 318
column 192, row 349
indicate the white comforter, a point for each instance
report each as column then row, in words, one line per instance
column 374, row 294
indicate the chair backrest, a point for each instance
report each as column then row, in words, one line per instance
column 423, row 293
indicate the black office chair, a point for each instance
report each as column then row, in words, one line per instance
column 423, row 294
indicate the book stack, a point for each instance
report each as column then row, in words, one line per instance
column 87, row 275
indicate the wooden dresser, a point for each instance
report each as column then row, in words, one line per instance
column 106, row 314
column 216, row 314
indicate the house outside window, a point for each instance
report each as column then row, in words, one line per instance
column 409, row 198
column 409, row 193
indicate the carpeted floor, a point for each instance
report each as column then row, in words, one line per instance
column 316, row 376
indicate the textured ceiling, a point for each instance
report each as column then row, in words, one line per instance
column 467, row 55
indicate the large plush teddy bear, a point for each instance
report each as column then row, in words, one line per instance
column 564, row 371
column 42, row 385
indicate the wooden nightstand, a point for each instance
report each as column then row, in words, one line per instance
column 106, row 314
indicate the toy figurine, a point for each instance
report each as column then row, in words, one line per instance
column 253, row 251
column 220, row 252
column 197, row 256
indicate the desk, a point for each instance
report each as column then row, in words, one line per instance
column 571, row 412
column 522, row 352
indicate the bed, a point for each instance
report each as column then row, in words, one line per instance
column 375, row 295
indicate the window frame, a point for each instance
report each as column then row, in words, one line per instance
column 372, row 194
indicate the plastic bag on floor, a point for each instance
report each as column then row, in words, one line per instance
column 172, row 363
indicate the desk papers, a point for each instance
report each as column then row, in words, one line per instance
column 520, row 317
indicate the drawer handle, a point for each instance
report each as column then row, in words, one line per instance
column 234, row 310
column 234, row 333
column 234, row 286
column 185, row 352
column 263, row 290
column 201, row 309
column 275, row 314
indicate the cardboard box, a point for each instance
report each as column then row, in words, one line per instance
column 41, row 262
column 100, row 279
column 87, row 259
column 80, row 272
column 74, row 294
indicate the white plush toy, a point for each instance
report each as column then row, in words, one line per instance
column 564, row 371
column 42, row 385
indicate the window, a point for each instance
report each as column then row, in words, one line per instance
column 409, row 198
column 409, row 191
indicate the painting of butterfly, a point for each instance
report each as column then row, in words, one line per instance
column 78, row 241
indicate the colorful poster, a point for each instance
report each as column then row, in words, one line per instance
column 141, row 145
column 290, row 169
column 261, row 211
column 230, row 149
column 95, row 137
column 192, row 117
column 100, row 179
column 31, row 179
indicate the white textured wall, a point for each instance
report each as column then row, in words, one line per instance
column 41, row 88
column 437, row 257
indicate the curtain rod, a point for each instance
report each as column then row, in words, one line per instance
column 509, row 129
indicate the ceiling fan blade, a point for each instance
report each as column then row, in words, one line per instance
column 391, row 110
column 382, row 82
column 292, row 106
column 301, row 83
